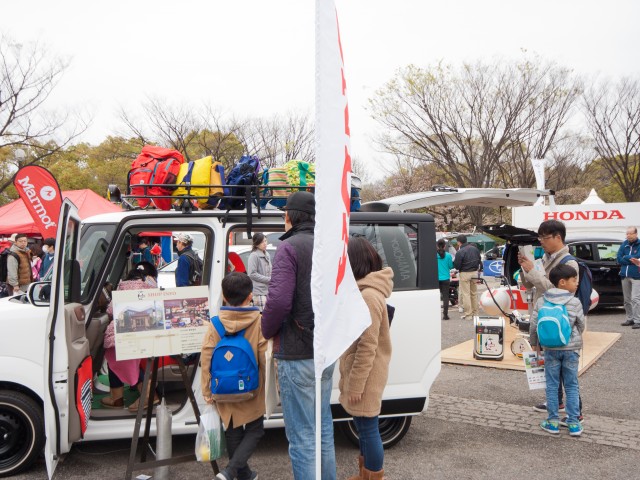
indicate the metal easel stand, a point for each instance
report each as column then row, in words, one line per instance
column 151, row 375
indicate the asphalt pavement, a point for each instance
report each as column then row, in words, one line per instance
column 480, row 425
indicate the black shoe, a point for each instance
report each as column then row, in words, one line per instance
column 446, row 317
column 627, row 323
column 636, row 326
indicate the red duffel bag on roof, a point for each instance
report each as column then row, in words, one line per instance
column 154, row 165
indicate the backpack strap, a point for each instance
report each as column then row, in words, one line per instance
column 217, row 324
column 568, row 258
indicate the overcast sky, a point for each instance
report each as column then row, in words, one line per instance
column 256, row 57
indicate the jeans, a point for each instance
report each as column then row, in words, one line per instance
column 560, row 395
column 631, row 294
column 297, row 395
column 555, row 363
column 241, row 443
column 444, row 296
column 370, row 442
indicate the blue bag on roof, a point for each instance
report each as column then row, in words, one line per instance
column 554, row 328
column 243, row 174
column 234, row 367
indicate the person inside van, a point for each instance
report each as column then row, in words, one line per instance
column 259, row 270
column 144, row 276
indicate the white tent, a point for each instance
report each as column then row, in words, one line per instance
column 593, row 198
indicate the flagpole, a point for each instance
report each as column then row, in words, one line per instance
column 318, row 428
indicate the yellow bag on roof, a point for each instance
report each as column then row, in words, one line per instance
column 197, row 172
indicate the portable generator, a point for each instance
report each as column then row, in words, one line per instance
column 489, row 337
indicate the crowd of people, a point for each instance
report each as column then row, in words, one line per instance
column 24, row 264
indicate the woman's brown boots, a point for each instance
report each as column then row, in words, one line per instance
column 367, row 474
column 115, row 399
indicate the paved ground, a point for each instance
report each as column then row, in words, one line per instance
column 480, row 425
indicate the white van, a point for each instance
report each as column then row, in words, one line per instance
column 42, row 345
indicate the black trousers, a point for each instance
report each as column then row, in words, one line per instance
column 241, row 443
column 444, row 296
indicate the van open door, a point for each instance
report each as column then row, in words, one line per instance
column 67, row 362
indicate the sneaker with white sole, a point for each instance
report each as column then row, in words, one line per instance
column 575, row 429
column 550, row 427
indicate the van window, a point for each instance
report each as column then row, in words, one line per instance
column 70, row 247
column 93, row 250
column 398, row 247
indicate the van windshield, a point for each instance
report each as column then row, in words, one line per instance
column 94, row 242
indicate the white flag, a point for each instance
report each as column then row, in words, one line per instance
column 538, row 170
column 341, row 314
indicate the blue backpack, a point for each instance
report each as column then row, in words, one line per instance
column 244, row 173
column 234, row 368
column 554, row 328
column 584, row 282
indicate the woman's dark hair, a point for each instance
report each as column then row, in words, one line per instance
column 258, row 238
column 148, row 269
column 441, row 244
column 136, row 274
column 236, row 287
column 363, row 257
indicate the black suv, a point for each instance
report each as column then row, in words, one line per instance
column 598, row 253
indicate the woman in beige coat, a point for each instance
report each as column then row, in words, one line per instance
column 364, row 367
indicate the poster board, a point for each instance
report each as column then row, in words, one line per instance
column 155, row 323
column 534, row 366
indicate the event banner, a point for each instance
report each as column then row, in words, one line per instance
column 154, row 322
column 40, row 193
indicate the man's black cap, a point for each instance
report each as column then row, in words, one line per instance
column 302, row 201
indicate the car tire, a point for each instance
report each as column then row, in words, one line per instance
column 22, row 435
column 392, row 430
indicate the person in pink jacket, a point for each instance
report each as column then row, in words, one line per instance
column 364, row 367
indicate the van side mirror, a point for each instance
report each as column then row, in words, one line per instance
column 39, row 294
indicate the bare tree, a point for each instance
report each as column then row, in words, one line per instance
column 613, row 115
column 277, row 139
column 476, row 122
column 28, row 75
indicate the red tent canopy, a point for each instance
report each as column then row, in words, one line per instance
column 15, row 218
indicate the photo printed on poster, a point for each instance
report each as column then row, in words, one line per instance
column 154, row 322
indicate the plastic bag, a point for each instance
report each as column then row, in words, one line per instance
column 210, row 441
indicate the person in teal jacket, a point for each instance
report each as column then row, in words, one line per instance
column 445, row 265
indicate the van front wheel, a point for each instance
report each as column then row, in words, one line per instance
column 392, row 430
column 22, row 434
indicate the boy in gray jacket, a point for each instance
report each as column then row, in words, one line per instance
column 563, row 359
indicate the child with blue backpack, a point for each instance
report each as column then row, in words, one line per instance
column 557, row 323
column 234, row 344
